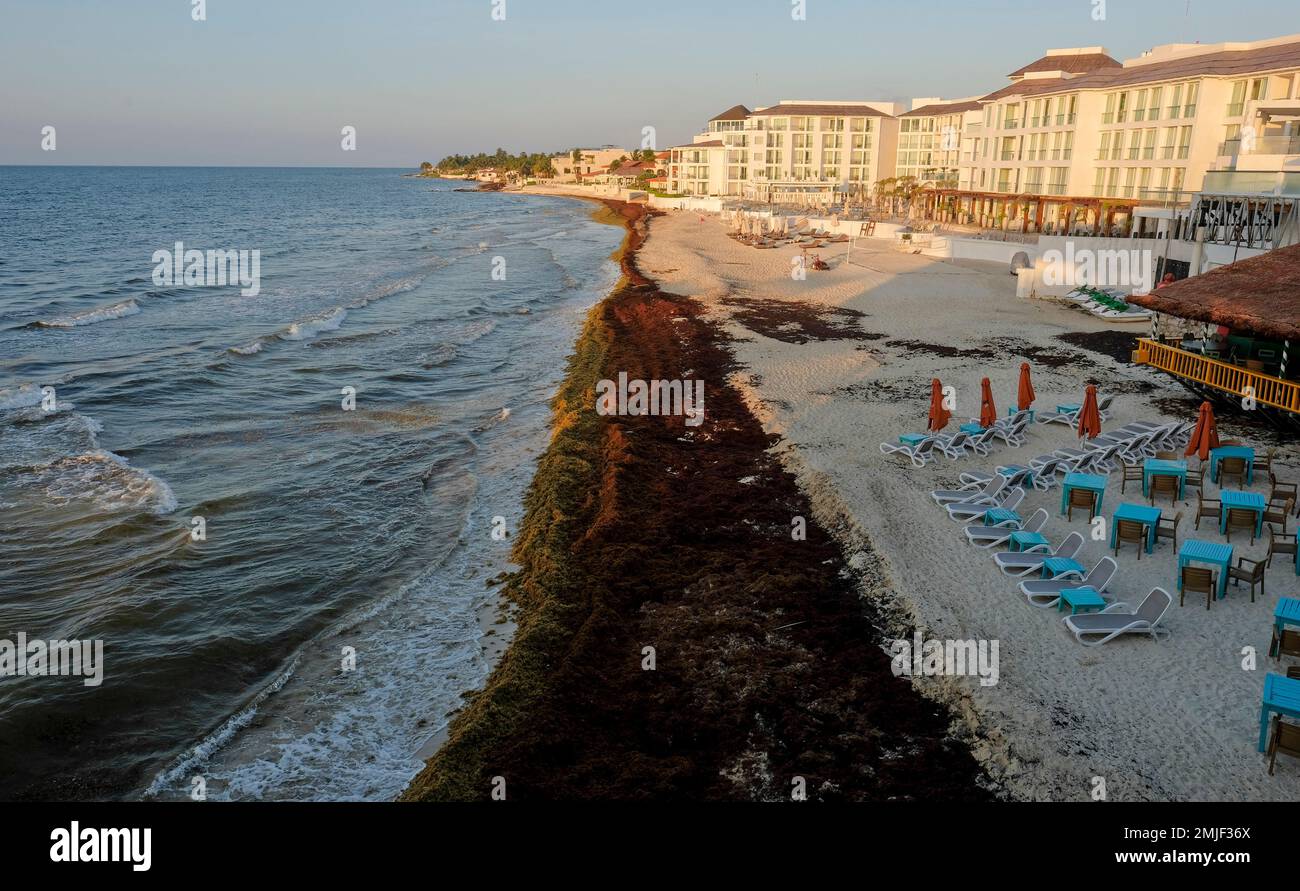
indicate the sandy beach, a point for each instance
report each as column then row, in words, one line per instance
column 842, row 361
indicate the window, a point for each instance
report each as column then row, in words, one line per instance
column 1057, row 185
column 1259, row 89
column 1108, row 117
column 1164, row 179
column 1074, row 100
column 1140, row 106
column 1179, row 175
column 1189, row 108
column 1184, row 141
column 1099, row 183
column 1175, row 101
column 1144, row 182
column 1149, row 144
column 1153, row 109
column 1112, row 182
column 1121, row 109
column 1069, row 146
column 1135, row 145
column 1104, row 152
column 1130, row 179
column 1237, row 104
column 1171, row 138
column 1011, row 120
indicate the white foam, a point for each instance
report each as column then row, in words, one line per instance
column 93, row 316
column 24, row 396
column 102, row 478
column 249, row 349
column 309, row 328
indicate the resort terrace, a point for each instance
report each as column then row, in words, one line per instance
column 1254, row 308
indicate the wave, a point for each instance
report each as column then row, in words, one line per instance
column 249, row 349
column 104, row 479
column 23, row 396
column 92, row 316
column 309, row 328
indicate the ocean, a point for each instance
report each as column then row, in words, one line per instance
column 274, row 505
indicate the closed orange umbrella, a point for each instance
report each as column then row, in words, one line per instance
column 1206, row 434
column 1089, row 416
column 939, row 416
column 988, row 412
column 1026, row 395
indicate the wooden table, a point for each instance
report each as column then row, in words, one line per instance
column 1217, row 455
column 1252, row 501
column 1281, row 695
column 1161, row 467
column 1138, row 513
column 1206, row 552
column 1090, row 481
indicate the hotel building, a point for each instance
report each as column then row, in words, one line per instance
column 1076, row 141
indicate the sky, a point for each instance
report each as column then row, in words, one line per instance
column 274, row 82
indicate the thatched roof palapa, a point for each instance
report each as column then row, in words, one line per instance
column 1259, row 296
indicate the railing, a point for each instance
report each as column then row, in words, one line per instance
column 1264, row 145
column 1268, row 390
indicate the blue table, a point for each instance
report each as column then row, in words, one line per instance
column 1287, row 613
column 1160, row 467
column 1242, row 501
column 1055, row 567
column 1028, row 541
column 1002, row 516
column 972, row 429
column 1194, row 551
column 1090, row 481
column 1080, row 599
column 1281, row 695
column 1138, row 513
column 1069, row 408
column 911, row 439
column 1217, row 455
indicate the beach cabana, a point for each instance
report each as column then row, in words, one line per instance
column 1249, row 330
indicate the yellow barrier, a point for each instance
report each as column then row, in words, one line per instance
column 1268, row 390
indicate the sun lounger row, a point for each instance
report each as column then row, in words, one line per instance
column 1070, row 417
column 1011, row 431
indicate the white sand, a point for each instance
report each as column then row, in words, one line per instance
column 1173, row 720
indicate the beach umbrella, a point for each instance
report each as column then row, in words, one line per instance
column 1206, row 434
column 939, row 415
column 1025, row 397
column 988, row 411
column 1089, row 416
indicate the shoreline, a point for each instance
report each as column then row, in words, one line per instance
column 640, row 531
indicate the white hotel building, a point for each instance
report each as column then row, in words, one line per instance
column 1076, row 141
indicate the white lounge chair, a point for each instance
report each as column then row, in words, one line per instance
column 1016, row 474
column 982, row 444
column 919, row 454
column 1014, row 434
column 992, row 536
column 954, row 446
column 1047, row 592
column 1022, row 563
column 986, row 495
column 1068, row 418
column 969, row 512
column 1095, row 629
column 1045, row 473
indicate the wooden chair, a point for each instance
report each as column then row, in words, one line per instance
column 1163, row 484
column 1293, row 672
column 1083, row 499
column 1232, row 467
column 1199, row 581
column 1279, row 543
column 1254, row 574
column 1278, row 489
column 1240, row 518
column 1285, row 644
column 1264, row 464
column 1196, row 478
column 1278, row 512
column 1285, row 739
column 1130, row 530
column 1132, row 474
column 1167, row 528
column 1207, row 508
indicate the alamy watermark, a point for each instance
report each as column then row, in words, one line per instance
column 195, row 268
column 50, row 658
column 637, row 397
column 1133, row 270
column 919, row 657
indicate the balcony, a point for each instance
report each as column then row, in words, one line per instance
column 1267, row 145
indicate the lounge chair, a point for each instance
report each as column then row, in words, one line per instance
column 1068, row 418
column 992, row 536
column 1013, row 434
column 986, row 495
column 1016, row 475
column 1045, row 474
column 954, row 446
column 1095, row 629
column 968, row 512
column 919, row 454
column 982, row 443
column 1047, row 592
column 1022, row 563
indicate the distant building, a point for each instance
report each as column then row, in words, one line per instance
column 590, row 163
